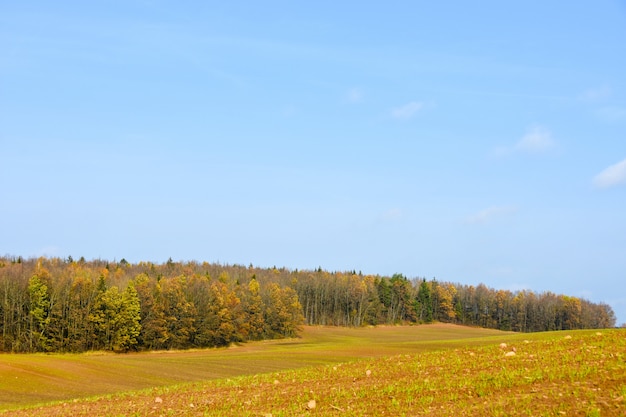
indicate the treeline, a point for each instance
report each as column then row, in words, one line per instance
column 350, row 299
column 53, row 304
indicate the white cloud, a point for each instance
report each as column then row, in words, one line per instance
column 355, row 95
column 611, row 176
column 49, row 251
column 537, row 140
column 516, row 287
column 605, row 111
column 407, row 111
column 611, row 114
column 488, row 214
column 289, row 111
column 597, row 94
column 392, row 214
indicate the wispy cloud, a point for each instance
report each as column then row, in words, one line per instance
column 612, row 176
column 605, row 111
column 407, row 111
column 597, row 94
column 288, row 111
column 515, row 286
column 355, row 95
column 392, row 214
column 611, row 114
column 487, row 215
column 50, row 251
column 537, row 140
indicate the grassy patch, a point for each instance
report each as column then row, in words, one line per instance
column 391, row 371
column 27, row 379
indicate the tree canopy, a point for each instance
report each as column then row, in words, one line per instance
column 53, row 304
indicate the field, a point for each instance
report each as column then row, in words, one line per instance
column 439, row 370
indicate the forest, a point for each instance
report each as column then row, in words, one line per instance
column 67, row 305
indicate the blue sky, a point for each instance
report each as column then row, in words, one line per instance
column 481, row 142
